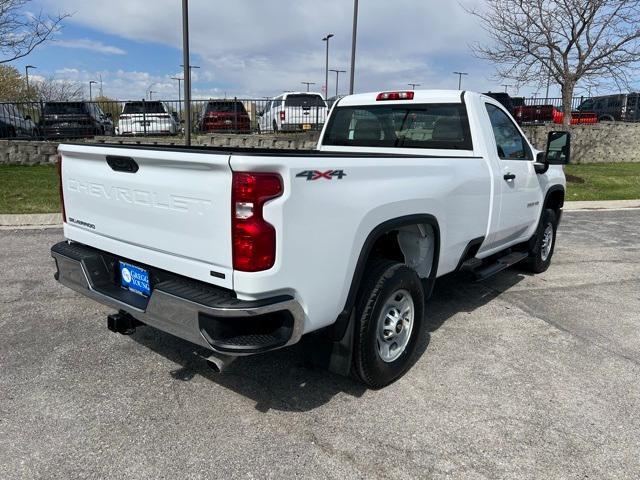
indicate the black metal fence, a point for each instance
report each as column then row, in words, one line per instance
column 65, row 120
column 286, row 113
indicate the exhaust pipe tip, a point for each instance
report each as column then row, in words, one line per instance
column 219, row 363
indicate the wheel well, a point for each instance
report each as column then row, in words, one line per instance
column 409, row 244
column 392, row 239
column 555, row 200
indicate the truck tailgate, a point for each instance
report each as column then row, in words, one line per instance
column 173, row 212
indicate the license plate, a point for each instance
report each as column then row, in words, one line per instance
column 306, row 126
column 135, row 279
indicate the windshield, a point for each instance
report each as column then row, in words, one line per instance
column 586, row 105
column 144, row 107
column 226, row 107
column 304, row 100
column 436, row 126
column 75, row 108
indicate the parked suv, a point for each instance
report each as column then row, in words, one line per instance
column 623, row 107
column 74, row 119
column 147, row 118
column 294, row 112
column 13, row 124
column 225, row 116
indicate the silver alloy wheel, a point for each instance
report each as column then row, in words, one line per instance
column 395, row 325
column 547, row 242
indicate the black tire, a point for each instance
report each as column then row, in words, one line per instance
column 539, row 257
column 383, row 279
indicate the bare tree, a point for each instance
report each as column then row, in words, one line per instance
column 571, row 41
column 21, row 31
column 59, row 90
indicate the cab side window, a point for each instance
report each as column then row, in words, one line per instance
column 510, row 143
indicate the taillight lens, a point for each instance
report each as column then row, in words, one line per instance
column 254, row 239
column 59, row 169
column 283, row 115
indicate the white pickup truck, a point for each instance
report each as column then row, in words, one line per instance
column 244, row 251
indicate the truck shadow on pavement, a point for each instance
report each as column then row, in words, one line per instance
column 287, row 380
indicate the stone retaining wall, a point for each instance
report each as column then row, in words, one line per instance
column 605, row 142
column 19, row 152
column 602, row 143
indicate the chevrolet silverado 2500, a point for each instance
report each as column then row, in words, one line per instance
column 244, row 251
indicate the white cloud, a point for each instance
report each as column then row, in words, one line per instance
column 86, row 44
column 255, row 48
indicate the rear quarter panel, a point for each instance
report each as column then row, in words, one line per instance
column 322, row 224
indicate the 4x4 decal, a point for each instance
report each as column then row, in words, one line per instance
column 317, row 175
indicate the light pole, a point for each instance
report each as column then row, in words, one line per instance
column 179, row 94
column 308, row 84
column 187, row 113
column 506, row 87
column 151, row 92
column 414, row 85
column 26, row 71
column 90, row 93
column 460, row 75
column 354, row 35
column 186, row 72
column 149, row 88
column 338, row 72
column 326, row 76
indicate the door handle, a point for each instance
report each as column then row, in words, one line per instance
column 509, row 176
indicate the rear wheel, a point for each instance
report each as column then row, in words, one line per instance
column 390, row 323
column 542, row 251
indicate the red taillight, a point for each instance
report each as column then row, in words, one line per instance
column 395, row 96
column 254, row 239
column 59, row 168
column 282, row 116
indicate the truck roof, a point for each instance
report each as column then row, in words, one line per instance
column 420, row 96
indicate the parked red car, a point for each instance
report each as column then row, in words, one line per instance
column 225, row 116
column 548, row 114
column 534, row 113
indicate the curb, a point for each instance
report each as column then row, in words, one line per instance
column 38, row 220
column 600, row 205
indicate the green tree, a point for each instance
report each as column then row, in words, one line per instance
column 13, row 87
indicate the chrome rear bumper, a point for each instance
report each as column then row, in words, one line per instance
column 200, row 313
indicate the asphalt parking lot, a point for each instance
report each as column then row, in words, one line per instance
column 523, row 377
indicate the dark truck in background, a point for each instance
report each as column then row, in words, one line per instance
column 624, row 107
column 74, row 120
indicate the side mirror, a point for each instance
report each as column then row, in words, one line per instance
column 558, row 148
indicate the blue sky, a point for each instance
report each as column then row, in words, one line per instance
column 255, row 48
